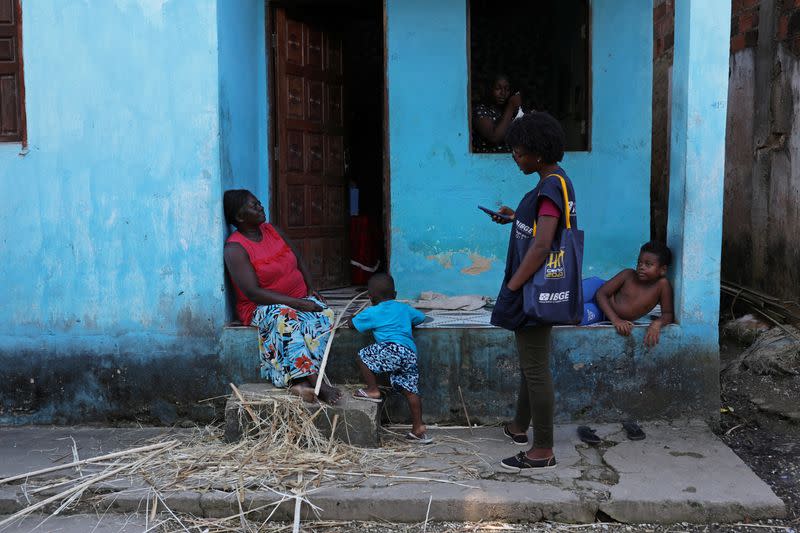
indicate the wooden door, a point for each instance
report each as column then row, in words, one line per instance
column 310, row 186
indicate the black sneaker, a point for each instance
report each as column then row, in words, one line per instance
column 520, row 439
column 522, row 462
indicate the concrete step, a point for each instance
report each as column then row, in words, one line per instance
column 680, row 473
column 358, row 424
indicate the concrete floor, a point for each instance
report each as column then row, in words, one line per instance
column 680, row 473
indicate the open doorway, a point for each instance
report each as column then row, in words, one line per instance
column 327, row 116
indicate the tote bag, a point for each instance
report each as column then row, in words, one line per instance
column 554, row 295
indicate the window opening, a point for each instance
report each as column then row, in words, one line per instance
column 539, row 49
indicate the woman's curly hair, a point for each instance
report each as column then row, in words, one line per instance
column 539, row 133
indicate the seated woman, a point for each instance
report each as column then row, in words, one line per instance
column 274, row 293
column 492, row 116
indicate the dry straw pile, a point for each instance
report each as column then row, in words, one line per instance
column 283, row 453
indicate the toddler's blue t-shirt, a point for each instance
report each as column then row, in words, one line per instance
column 390, row 321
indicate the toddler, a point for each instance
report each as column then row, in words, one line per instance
column 394, row 351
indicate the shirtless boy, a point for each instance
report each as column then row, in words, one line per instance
column 631, row 294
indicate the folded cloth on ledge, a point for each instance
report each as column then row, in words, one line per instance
column 435, row 300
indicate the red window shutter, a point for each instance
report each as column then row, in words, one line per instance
column 12, row 115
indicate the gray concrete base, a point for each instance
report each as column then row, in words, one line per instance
column 481, row 365
column 358, row 420
column 680, row 473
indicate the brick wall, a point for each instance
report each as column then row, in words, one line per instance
column 788, row 30
column 744, row 24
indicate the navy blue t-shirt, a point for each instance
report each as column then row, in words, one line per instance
column 525, row 217
column 508, row 312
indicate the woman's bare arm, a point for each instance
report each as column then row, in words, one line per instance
column 244, row 276
column 537, row 254
column 493, row 132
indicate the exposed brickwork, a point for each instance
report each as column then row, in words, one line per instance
column 788, row 27
column 744, row 24
column 745, row 16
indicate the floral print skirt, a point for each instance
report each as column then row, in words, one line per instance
column 291, row 342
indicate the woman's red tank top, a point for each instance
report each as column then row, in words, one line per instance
column 275, row 265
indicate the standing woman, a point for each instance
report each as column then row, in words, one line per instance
column 274, row 292
column 537, row 143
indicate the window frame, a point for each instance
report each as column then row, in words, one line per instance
column 22, row 135
column 588, row 5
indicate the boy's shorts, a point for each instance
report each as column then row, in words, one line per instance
column 399, row 361
column 592, row 314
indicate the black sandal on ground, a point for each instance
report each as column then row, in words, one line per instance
column 522, row 462
column 632, row 430
column 520, row 439
column 587, row 435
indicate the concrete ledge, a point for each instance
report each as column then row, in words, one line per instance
column 358, row 424
column 598, row 374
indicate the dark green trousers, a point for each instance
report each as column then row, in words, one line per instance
column 536, row 398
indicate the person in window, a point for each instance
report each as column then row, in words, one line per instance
column 493, row 116
column 274, row 292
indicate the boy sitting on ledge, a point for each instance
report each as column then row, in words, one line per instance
column 631, row 294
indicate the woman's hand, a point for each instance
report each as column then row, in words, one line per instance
column 317, row 295
column 515, row 101
column 504, row 210
column 308, row 306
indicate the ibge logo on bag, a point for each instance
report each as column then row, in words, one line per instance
column 554, row 266
column 554, row 297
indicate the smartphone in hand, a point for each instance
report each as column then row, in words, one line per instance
column 494, row 213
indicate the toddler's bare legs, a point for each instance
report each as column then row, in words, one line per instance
column 370, row 379
column 415, row 406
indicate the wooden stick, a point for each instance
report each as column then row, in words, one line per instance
column 333, row 431
column 90, row 460
column 298, row 502
column 244, row 404
column 154, row 508
column 427, row 514
column 83, row 486
column 324, row 363
column 464, row 405
column 411, row 478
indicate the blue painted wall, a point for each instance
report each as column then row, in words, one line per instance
column 112, row 227
column 110, row 215
column 439, row 240
column 243, row 104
